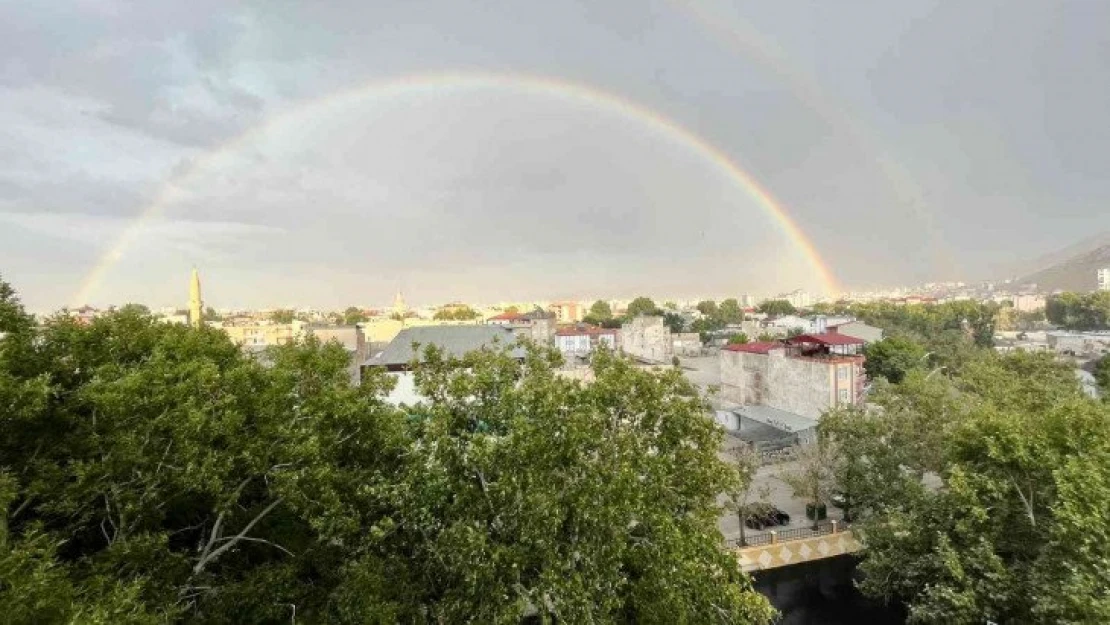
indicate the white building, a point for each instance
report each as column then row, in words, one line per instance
column 1104, row 279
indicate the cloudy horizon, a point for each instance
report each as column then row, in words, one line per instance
column 910, row 142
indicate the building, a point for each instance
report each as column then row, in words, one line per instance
column 859, row 330
column 686, row 344
column 582, row 339
column 537, row 326
column 1028, row 302
column 455, row 341
column 1103, row 276
column 804, row 375
column 260, row 335
column 648, row 339
column 400, row 310
column 1079, row 343
column 567, row 312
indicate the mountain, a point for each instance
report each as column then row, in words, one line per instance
column 1070, row 269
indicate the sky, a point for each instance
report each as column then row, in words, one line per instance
column 333, row 153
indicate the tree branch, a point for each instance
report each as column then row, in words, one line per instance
column 1028, row 502
column 258, row 540
column 208, row 557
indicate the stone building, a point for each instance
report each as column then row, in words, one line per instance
column 648, row 339
column 805, row 375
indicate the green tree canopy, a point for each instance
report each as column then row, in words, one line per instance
column 674, row 321
column 730, row 311
column 892, row 357
column 1080, row 311
column 354, row 315
column 642, row 306
column 283, row 316
column 708, row 308
column 601, row 310
column 983, row 495
column 464, row 313
column 777, row 307
column 738, row 338
column 152, row 472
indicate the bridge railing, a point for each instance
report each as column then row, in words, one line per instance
column 760, row 538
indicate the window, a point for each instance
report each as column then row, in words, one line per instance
column 842, row 372
column 843, row 396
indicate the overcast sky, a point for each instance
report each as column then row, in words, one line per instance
column 910, row 141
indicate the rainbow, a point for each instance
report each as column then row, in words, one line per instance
column 726, row 26
column 437, row 83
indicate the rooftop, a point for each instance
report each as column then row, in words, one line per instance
column 828, row 339
column 455, row 341
column 779, row 419
column 758, row 347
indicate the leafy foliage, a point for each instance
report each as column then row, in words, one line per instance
column 982, row 495
column 151, row 472
column 601, row 310
column 464, row 313
column 642, row 306
column 354, row 315
column 893, row 357
column 777, row 307
column 1079, row 311
column 283, row 316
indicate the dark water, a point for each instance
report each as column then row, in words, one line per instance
column 822, row 592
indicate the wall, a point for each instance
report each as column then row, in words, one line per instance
column 647, row 338
column 800, row 385
column 687, row 344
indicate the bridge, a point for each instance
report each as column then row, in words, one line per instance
column 773, row 549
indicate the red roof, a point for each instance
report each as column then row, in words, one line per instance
column 507, row 316
column 583, row 331
column 758, row 347
column 828, row 338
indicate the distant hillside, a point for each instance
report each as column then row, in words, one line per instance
column 1072, row 273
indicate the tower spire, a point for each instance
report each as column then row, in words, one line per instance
column 196, row 304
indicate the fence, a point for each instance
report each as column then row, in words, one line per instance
column 760, row 538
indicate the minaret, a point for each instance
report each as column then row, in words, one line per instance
column 399, row 307
column 196, row 305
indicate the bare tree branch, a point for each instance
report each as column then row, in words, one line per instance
column 208, row 557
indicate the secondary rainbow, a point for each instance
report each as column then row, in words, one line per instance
column 438, row 83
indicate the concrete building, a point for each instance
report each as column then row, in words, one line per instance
column 859, row 330
column 567, row 312
column 1103, row 276
column 259, row 335
column 687, row 344
column 580, row 340
column 1027, row 302
column 647, row 338
column 1079, row 343
column 536, row 326
column 805, row 375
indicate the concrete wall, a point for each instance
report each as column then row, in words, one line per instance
column 803, row 386
column 647, row 338
column 687, row 344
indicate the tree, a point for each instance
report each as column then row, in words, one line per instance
column 669, row 305
column 282, row 316
column 152, row 472
column 745, row 461
column 708, row 308
column 642, row 306
column 777, row 308
column 738, row 338
column 982, row 495
column 811, row 476
column 12, row 316
column 730, row 311
column 1079, row 311
column 892, row 357
column 210, row 314
column 354, row 315
column 1102, row 376
column 464, row 313
column 674, row 322
column 601, row 310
